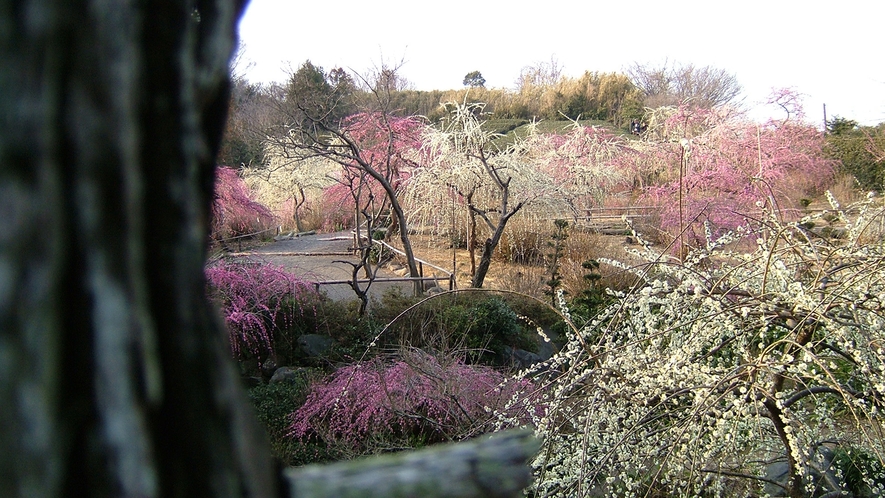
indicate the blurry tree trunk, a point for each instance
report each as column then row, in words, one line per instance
column 114, row 373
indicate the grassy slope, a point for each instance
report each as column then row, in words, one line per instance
column 511, row 128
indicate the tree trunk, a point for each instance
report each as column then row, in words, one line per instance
column 114, row 371
column 485, row 262
column 471, row 236
column 488, row 248
column 295, row 210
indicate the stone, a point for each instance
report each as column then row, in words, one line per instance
column 820, row 471
column 315, row 345
column 268, row 367
column 520, row 358
column 284, row 374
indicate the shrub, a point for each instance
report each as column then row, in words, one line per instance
column 274, row 404
column 855, row 149
column 862, row 472
column 477, row 324
column 415, row 400
column 486, row 325
column 265, row 308
column 723, row 361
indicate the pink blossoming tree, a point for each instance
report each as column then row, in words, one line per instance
column 720, row 172
column 234, row 212
column 417, row 399
column 261, row 304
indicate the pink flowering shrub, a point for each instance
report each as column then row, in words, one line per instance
column 233, row 210
column 373, row 406
column 264, row 307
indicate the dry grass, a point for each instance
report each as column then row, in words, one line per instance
column 528, row 275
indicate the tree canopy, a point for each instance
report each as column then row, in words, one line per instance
column 677, row 84
column 474, row 79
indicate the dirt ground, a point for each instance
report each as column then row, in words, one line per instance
column 526, row 277
column 325, row 258
column 329, row 257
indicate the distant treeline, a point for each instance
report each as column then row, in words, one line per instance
column 599, row 96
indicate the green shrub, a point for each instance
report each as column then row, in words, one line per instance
column 863, row 474
column 854, row 149
column 274, row 403
column 487, row 324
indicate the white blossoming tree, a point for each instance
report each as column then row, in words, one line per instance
column 539, row 175
column 287, row 181
column 730, row 373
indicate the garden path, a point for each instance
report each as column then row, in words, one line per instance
column 322, row 258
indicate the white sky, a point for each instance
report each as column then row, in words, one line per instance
column 829, row 51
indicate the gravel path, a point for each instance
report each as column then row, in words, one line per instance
column 322, row 258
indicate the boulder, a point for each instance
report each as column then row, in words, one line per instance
column 520, row 358
column 820, row 473
column 284, row 374
column 315, row 345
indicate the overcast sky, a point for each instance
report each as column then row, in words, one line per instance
column 829, row 51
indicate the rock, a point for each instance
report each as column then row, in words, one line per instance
column 520, row 358
column 546, row 350
column 820, row 471
column 315, row 345
column 268, row 368
column 284, row 374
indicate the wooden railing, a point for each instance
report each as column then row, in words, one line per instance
column 448, row 276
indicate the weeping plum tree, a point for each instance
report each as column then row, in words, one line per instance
column 729, row 373
column 541, row 174
column 114, row 373
column 234, row 212
column 718, row 170
column 285, row 183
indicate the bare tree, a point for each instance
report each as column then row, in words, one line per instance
column 371, row 142
column 542, row 74
column 665, row 85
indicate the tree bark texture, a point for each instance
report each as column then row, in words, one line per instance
column 114, row 374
